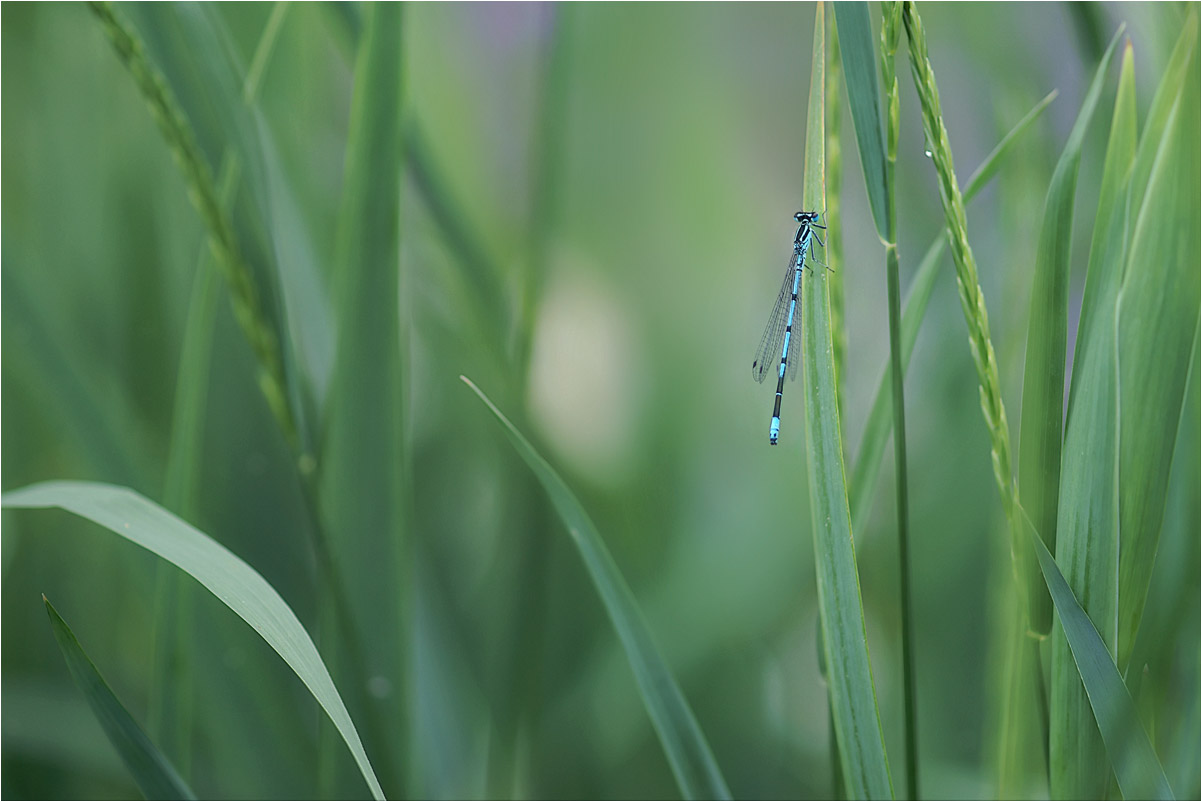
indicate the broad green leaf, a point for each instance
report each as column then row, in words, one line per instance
column 1135, row 765
column 360, row 483
column 867, row 465
column 688, row 753
column 864, row 99
column 1040, row 432
column 849, row 675
column 1159, row 312
column 1087, row 515
column 151, row 770
column 240, row 587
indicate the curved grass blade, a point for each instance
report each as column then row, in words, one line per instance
column 688, row 753
column 852, row 694
column 1139, row 773
column 867, row 466
column 1041, row 417
column 151, row 770
column 240, row 587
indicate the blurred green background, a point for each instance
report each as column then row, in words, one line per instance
column 675, row 167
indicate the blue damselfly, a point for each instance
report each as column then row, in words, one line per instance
column 778, row 334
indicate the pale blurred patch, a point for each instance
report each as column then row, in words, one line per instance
column 587, row 388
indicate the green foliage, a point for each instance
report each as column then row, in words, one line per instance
column 201, row 189
column 866, row 110
column 876, row 430
column 1047, row 336
column 697, row 773
column 235, row 583
column 582, row 207
column 362, row 454
column 150, row 769
column 859, row 64
column 848, row 673
column 1135, row 350
column 1139, row 773
column 1088, row 508
column 1157, row 324
column 972, row 299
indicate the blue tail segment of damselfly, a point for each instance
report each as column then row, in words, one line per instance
column 778, row 347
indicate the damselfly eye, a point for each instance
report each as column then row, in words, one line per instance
column 799, row 216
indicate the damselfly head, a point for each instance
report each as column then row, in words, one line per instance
column 809, row 217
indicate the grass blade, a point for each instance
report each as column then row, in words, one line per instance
column 688, row 753
column 1088, row 493
column 1041, row 418
column 1158, row 317
column 1120, row 153
column 834, row 257
column 1183, row 56
column 863, row 97
column 867, row 464
column 362, row 454
column 849, row 674
column 890, row 38
column 151, row 770
column 1135, row 765
column 240, row 587
column 834, row 212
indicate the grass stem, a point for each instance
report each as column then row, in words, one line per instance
column 890, row 38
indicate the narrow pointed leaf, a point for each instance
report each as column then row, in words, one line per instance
column 864, row 98
column 849, row 674
column 1088, row 494
column 688, row 753
column 1139, row 773
column 151, row 770
column 1159, row 313
column 361, row 487
column 240, row 587
column 1040, row 432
